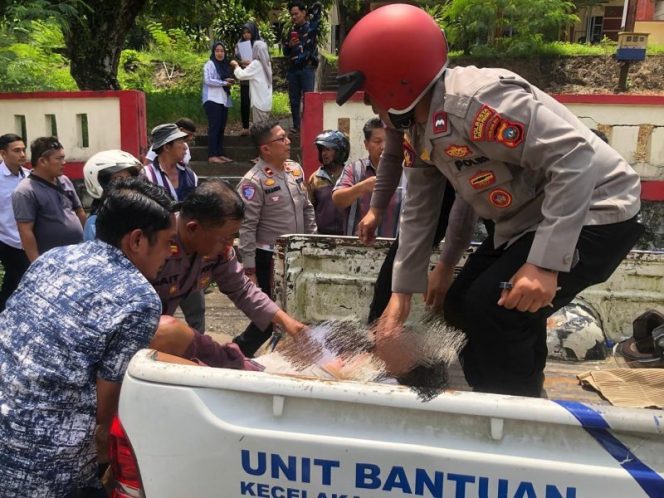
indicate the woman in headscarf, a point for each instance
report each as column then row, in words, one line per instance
column 259, row 75
column 250, row 34
column 217, row 81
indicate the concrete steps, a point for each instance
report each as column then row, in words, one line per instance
column 240, row 149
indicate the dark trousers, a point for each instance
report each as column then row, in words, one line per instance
column 383, row 286
column 15, row 263
column 252, row 338
column 217, row 115
column 299, row 82
column 245, row 104
column 506, row 350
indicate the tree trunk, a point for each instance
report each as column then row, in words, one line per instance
column 95, row 41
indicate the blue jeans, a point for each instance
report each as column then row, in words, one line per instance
column 217, row 115
column 299, row 81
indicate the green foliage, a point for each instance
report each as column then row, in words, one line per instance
column 30, row 59
column 227, row 25
column 171, row 54
column 511, row 26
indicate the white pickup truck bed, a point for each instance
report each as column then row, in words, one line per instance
column 200, row 432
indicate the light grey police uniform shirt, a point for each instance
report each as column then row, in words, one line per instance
column 276, row 203
column 516, row 156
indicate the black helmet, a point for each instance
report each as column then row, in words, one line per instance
column 336, row 140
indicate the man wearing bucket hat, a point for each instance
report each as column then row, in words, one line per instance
column 564, row 202
column 168, row 171
column 187, row 126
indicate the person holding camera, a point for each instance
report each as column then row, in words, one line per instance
column 217, row 81
column 301, row 49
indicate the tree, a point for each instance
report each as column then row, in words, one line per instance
column 94, row 31
column 505, row 23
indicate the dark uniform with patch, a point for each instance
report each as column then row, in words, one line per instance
column 276, row 203
column 561, row 199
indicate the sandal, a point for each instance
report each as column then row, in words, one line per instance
column 225, row 159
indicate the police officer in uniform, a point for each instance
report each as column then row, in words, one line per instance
column 276, row 203
column 564, row 203
column 201, row 253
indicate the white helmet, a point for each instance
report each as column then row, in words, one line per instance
column 99, row 168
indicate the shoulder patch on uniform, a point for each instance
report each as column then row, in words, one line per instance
column 248, row 191
column 439, row 122
column 509, row 133
column 500, row 198
column 268, row 182
column 482, row 118
column 458, row 151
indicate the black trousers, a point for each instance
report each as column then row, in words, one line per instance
column 383, row 285
column 15, row 263
column 217, row 115
column 245, row 104
column 253, row 337
column 506, row 350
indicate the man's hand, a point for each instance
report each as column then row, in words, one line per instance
column 392, row 346
column 288, row 324
column 366, row 228
column 439, row 283
column 390, row 323
column 234, row 64
column 532, row 288
column 251, row 275
column 368, row 185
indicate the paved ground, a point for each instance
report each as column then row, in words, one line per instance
column 223, row 320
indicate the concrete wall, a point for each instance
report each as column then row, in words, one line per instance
column 654, row 28
column 633, row 123
column 115, row 120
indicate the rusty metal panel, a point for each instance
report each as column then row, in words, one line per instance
column 322, row 277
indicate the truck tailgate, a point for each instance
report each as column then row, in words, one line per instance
column 213, row 432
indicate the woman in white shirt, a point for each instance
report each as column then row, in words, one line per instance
column 259, row 75
column 217, row 81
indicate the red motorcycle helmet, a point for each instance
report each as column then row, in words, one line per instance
column 395, row 54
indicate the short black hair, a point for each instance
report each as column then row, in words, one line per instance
column 129, row 204
column 187, row 125
column 370, row 126
column 261, row 131
column 299, row 5
column 212, row 203
column 43, row 146
column 9, row 138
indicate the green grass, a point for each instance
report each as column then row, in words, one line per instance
column 552, row 49
column 166, row 106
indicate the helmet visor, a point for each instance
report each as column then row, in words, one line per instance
column 349, row 83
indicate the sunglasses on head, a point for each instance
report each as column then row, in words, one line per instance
column 54, row 145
